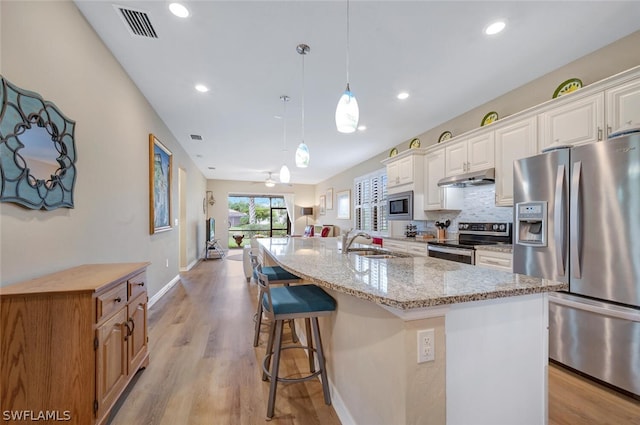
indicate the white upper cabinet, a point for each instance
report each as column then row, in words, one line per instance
column 514, row 141
column 476, row 153
column 573, row 123
column 434, row 171
column 623, row 105
column 400, row 172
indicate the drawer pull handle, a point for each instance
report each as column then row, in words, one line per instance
column 117, row 300
column 128, row 332
column 133, row 325
column 140, row 284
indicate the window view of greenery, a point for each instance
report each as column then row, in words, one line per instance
column 256, row 216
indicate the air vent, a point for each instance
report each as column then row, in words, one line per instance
column 196, row 137
column 137, row 22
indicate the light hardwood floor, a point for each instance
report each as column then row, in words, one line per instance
column 204, row 370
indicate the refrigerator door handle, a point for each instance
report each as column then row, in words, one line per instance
column 601, row 308
column 574, row 229
column 558, row 219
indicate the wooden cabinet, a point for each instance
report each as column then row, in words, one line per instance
column 494, row 260
column 514, row 141
column 623, row 105
column 437, row 198
column 71, row 341
column 400, row 172
column 476, row 153
column 573, row 123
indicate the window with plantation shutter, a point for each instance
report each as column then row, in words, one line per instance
column 370, row 202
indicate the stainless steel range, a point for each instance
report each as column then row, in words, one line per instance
column 462, row 250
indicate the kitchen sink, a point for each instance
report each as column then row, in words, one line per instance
column 377, row 253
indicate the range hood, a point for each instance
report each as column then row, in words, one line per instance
column 475, row 178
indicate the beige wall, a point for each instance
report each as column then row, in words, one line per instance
column 303, row 196
column 49, row 48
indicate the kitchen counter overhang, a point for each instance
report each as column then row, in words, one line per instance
column 403, row 283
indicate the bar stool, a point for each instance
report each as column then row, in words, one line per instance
column 276, row 275
column 286, row 303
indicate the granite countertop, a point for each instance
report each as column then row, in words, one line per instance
column 508, row 248
column 401, row 282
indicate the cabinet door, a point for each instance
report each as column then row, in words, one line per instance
column 393, row 174
column 574, row 123
column 406, row 170
column 480, row 152
column 456, row 159
column 111, row 362
column 434, row 164
column 137, row 339
column 513, row 142
column 623, row 105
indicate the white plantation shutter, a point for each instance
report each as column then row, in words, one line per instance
column 370, row 202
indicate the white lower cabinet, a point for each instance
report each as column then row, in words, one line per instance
column 494, row 260
column 414, row 248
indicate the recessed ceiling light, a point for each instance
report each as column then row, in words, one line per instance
column 403, row 95
column 495, row 28
column 362, row 127
column 202, row 88
column 179, row 10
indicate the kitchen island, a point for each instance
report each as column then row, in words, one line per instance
column 490, row 340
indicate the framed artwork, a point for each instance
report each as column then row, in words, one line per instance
column 330, row 198
column 343, row 204
column 323, row 205
column 160, row 164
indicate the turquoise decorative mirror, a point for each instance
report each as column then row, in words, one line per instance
column 37, row 151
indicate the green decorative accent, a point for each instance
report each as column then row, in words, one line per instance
column 489, row 118
column 445, row 136
column 30, row 126
column 568, row 86
column 393, row 152
column 414, row 143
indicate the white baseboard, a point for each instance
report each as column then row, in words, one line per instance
column 163, row 291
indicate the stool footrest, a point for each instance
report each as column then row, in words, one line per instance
column 267, row 359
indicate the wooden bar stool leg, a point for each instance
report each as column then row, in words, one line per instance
column 312, row 363
column 274, row 369
column 323, row 369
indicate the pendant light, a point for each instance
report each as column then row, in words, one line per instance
column 347, row 112
column 302, row 153
column 270, row 182
column 285, row 175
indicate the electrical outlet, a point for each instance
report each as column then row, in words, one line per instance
column 426, row 346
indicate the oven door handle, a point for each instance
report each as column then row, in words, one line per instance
column 457, row 251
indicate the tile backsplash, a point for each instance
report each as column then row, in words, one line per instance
column 478, row 206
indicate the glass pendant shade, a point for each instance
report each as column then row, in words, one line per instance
column 302, row 156
column 347, row 112
column 285, row 175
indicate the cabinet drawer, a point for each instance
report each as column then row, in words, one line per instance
column 494, row 260
column 417, row 249
column 111, row 301
column 137, row 285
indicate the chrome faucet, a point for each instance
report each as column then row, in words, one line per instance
column 348, row 241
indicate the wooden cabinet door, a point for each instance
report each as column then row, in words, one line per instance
column 434, row 164
column 623, row 105
column 111, row 362
column 574, row 123
column 513, row 142
column 456, row 158
column 480, row 152
column 137, row 339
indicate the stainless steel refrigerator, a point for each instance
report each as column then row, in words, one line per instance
column 577, row 220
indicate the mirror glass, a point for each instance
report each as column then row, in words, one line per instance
column 40, row 154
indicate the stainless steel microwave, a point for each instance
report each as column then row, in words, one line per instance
column 400, row 206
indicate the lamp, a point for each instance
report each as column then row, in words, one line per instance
column 306, row 212
column 269, row 182
column 302, row 153
column 347, row 112
column 285, row 175
column 210, row 199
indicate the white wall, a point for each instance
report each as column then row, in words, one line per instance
column 49, row 48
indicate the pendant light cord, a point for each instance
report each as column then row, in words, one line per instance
column 303, row 54
column 348, row 43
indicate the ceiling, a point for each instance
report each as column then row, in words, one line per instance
column 245, row 52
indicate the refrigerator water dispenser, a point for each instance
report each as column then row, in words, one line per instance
column 531, row 223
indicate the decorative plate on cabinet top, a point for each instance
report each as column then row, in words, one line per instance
column 414, row 143
column 568, row 86
column 445, row 136
column 393, row 152
column 489, row 118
